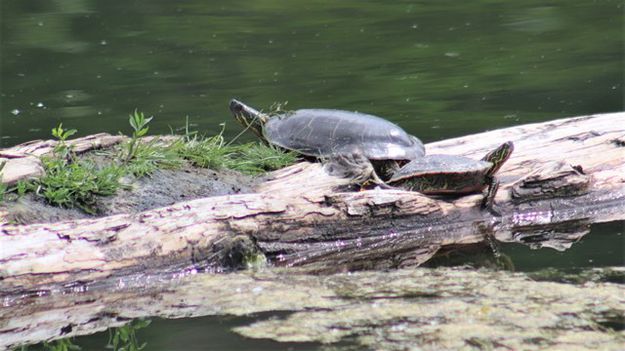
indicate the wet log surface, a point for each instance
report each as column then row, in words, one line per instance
column 563, row 175
column 427, row 309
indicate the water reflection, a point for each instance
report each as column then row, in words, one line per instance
column 559, row 236
column 558, row 247
column 287, row 307
column 577, row 248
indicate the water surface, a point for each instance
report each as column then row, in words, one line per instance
column 439, row 69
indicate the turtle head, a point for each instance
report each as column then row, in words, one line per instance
column 499, row 156
column 248, row 117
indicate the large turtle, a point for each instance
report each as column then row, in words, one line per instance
column 449, row 174
column 326, row 133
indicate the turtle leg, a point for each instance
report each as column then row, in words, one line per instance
column 355, row 166
column 366, row 172
column 379, row 182
column 392, row 166
column 497, row 157
column 386, row 168
column 489, row 199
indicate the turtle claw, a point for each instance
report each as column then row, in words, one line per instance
column 385, row 186
column 491, row 207
column 379, row 182
column 494, row 210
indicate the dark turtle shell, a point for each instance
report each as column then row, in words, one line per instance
column 321, row 132
column 443, row 174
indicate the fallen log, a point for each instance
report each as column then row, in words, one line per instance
column 22, row 162
column 433, row 309
column 564, row 174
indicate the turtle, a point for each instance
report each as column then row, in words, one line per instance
column 324, row 133
column 454, row 175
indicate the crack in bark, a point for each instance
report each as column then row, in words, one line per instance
column 619, row 142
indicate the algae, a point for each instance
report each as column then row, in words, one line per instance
column 457, row 309
column 408, row 309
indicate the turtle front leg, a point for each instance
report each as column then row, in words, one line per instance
column 355, row 166
column 489, row 199
column 379, row 182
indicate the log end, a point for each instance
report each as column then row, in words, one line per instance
column 552, row 181
column 20, row 168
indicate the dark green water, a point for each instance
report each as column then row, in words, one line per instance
column 439, row 69
column 196, row 334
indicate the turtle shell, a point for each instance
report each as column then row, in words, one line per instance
column 443, row 174
column 322, row 132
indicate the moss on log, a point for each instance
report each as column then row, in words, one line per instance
column 426, row 309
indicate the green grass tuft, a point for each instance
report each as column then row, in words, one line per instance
column 149, row 156
column 143, row 158
column 76, row 184
column 3, row 190
column 72, row 182
column 124, row 338
column 205, row 152
column 61, row 345
column 252, row 158
column 3, row 187
column 256, row 158
column 213, row 152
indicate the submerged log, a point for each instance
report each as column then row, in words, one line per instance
column 428, row 309
column 568, row 171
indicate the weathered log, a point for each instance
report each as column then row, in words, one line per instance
column 432, row 309
column 566, row 171
column 22, row 162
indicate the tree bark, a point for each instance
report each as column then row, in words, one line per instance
column 563, row 175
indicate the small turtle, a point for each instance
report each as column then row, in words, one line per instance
column 458, row 175
column 327, row 133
